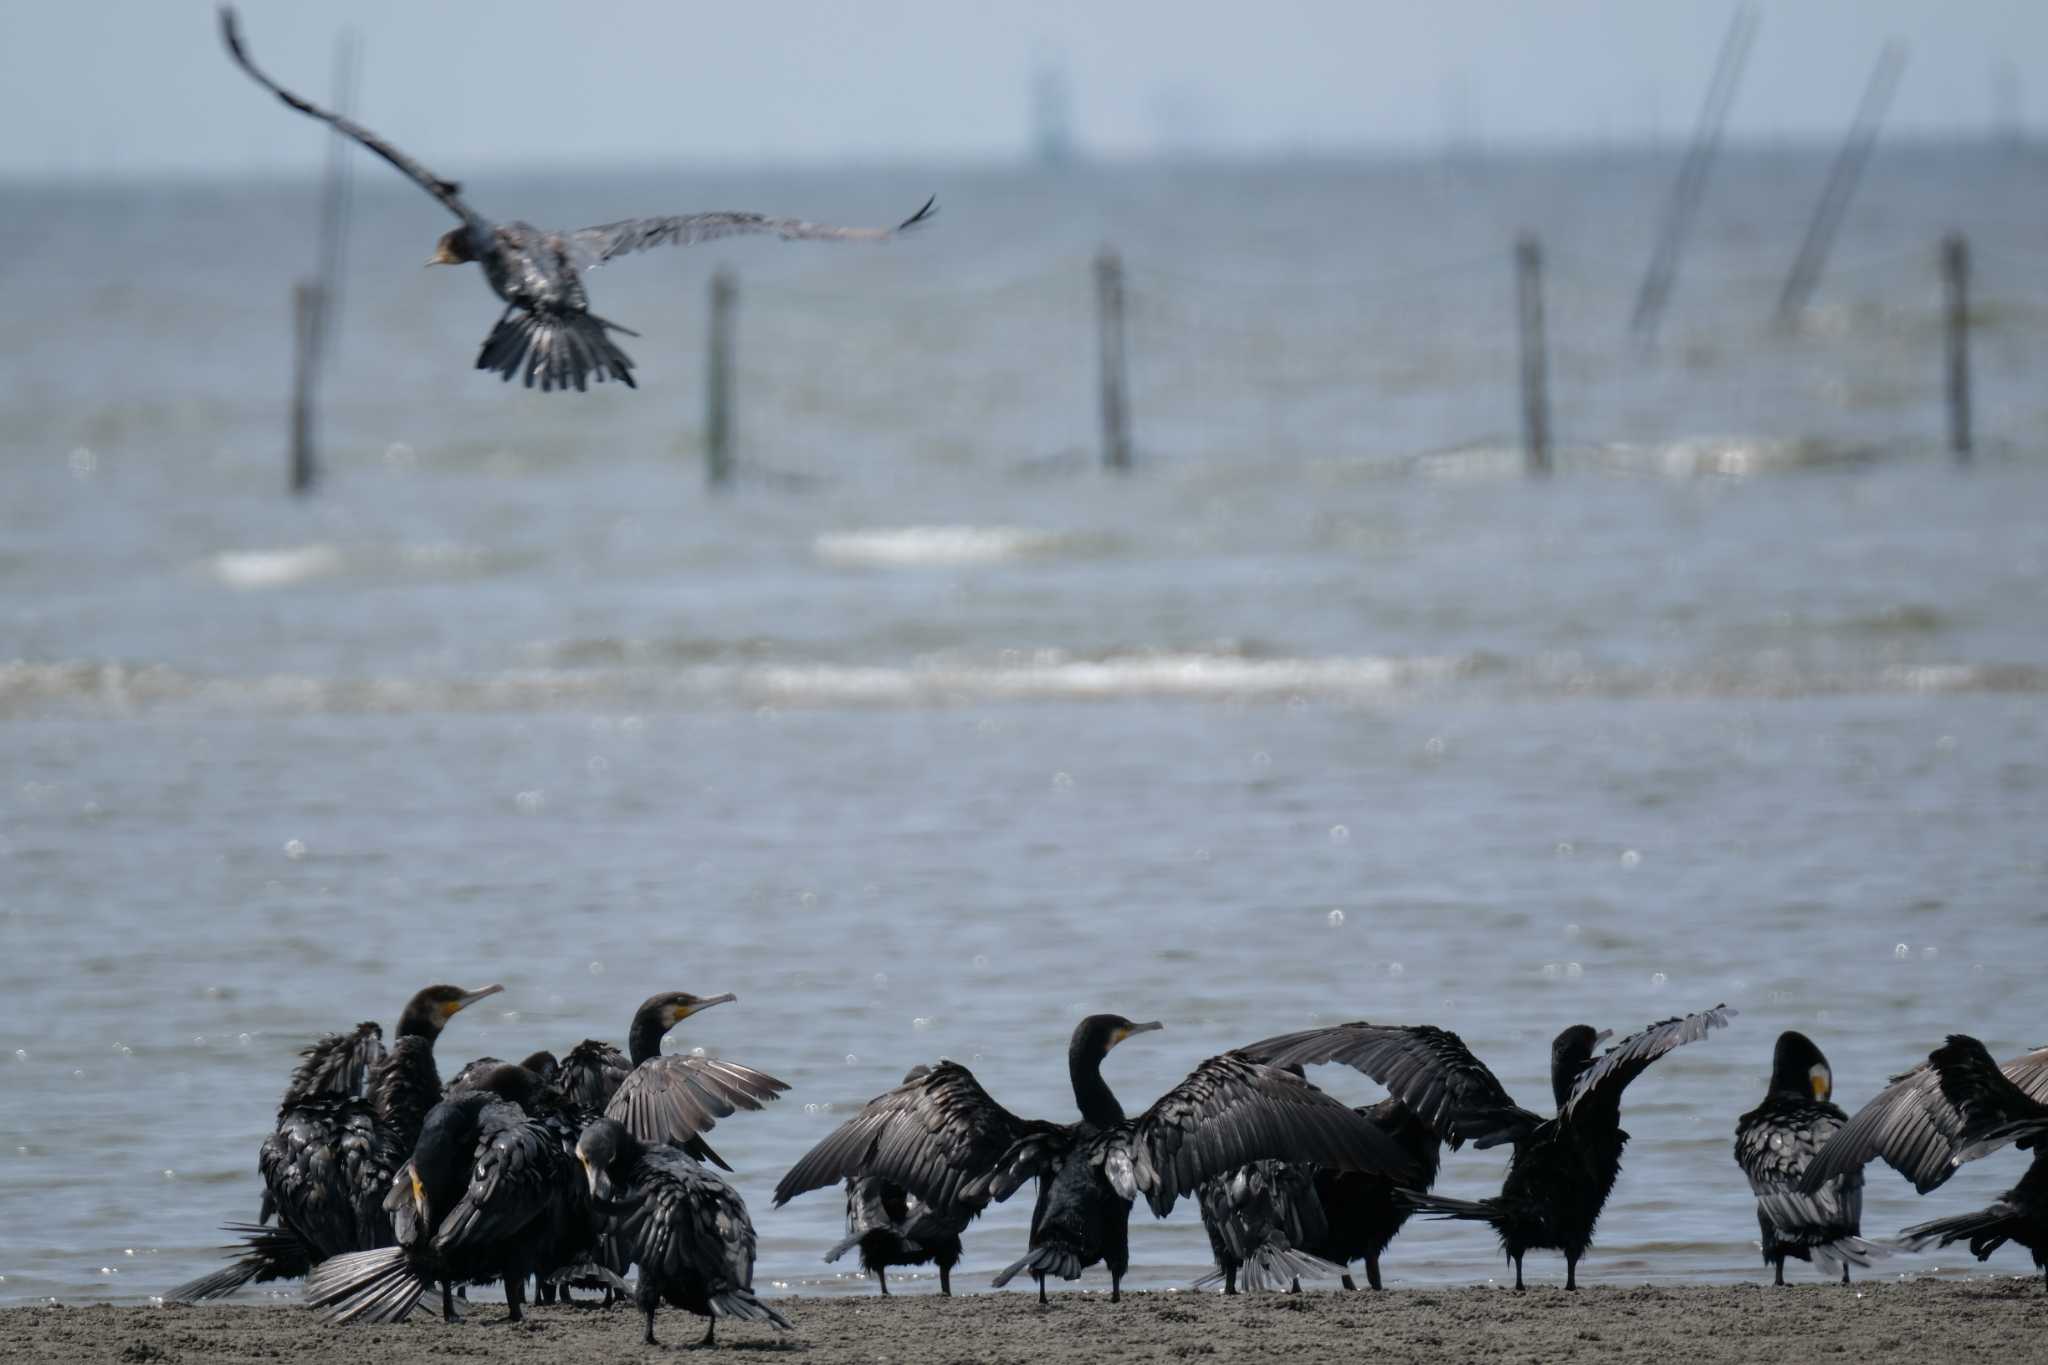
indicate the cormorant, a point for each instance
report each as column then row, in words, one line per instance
column 487, row 1194
column 1954, row 1107
column 547, row 330
column 348, row 1119
column 685, row 1228
column 943, row 1139
column 892, row 1226
column 1774, row 1144
column 678, row 1097
column 1563, row 1167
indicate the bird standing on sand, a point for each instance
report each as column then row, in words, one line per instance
column 548, row 333
column 1956, row 1106
column 1775, row 1143
column 942, row 1138
column 1563, row 1168
column 348, row 1120
column 892, row 1226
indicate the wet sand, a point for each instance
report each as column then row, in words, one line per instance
column 2000, row 1318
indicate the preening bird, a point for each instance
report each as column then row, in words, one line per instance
column 943, row 1139
column 1776, row 1142
column 1563, row 1167
column 547, row 334
column 686, row 1229
column 348, row 1119
column 1956, row 1106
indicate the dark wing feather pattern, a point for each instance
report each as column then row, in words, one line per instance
column 1993, row 1108
column 595, row 245
column 1775, row 1144
column 940, row 1136
column 1601, row 1083
column 591, row 1074
column 447, row 191
column 322, row 1174
column 336, row 1066
column 674, row 1099
column 516, row 1174
column 1232, row 1111
column 1427, row 1068
column 1908, row 1123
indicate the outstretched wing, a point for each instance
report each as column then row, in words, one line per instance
column 676, row 1098
column 1427, row 1068
column 594, row 246
column 1232, row 1111
column 939, row 1136
column 447, row 191
column 1997, row 1105
column 1600, row 1085
column 1917, row 1128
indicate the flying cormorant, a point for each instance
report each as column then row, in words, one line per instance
column 1774, row 1144
column 1563, row 1167
column 685, row 1228
column 1956, row 1106
column 943, row 1139
column 547, row 330
column 348, row 1119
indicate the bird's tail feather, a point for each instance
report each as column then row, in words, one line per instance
column 741, row 1304
column 366, row 1286
column 268, row 1253
column 1987, row 1229
column 559, row 350
column 1275, row 1266
column 1042, row 1260
column 1842, row 1252
column 1443, row 1206
column 844, row 1245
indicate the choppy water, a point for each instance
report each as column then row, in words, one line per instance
column 929, row 739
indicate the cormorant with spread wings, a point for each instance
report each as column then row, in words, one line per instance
column 942, row 1138
column 674, row 1098
column 548, row 333
column 1563, row 1167
column 1956, row 1106
column 1775, row 1143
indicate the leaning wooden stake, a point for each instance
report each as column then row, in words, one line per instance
column 1109, row 308
column 1535, row 364
column 308, row 305
column 718, row 383
column 1841, row 186
column 1955, row 274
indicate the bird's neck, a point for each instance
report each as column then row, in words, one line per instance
column 404, row 1087
column 643, row 1040
column 1091, row 1093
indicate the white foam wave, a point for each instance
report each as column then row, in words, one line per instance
column 933, row 546
column 250, row 569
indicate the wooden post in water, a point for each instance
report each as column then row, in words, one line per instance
column 1109, row 318
column 308, row 305
column 1955, row 275
column 718, row 383
column 1535, row 363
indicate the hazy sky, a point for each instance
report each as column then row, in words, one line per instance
column 117, row 87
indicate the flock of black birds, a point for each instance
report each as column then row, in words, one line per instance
column 381, row 1183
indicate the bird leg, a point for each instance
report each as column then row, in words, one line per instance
column 1372, row 1273
column 882, row 1278
column 1042, row 1300
column 515, row 1292
column 649, row 1338
column 1350, row 1283
column 1116, row 1286
column 448, row 1313
column 945, row 1279
column 1845, row 1272
column 710, row 1332
column 1518, row 1275
column 1230, row 1279
column 1571, row 1273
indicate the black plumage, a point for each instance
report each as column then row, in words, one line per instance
column 487, row 1194
column 674, row 1098
column 1258, row 1218
column 942, row 1138
column 349, row 1117
column 684, row 1227
column 1775, row 1143
column 1957, row 1106
column 893, row 1227
column 547, row 334
column 1563, row 1167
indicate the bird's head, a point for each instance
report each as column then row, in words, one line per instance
column 427, row 1013
column 672, row 1007
column 453, row 248
column 1098, row 1033
column 1800, row 1068
column 1570, row 1054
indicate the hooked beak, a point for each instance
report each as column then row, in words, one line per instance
column 1823, row 1082
column 600, row 1182
column 443, row 256
column 727, row 999
column 1124, row 1033
column 466, row 1001
column 1602, row 1036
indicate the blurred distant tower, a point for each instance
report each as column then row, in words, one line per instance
column 1052, row 114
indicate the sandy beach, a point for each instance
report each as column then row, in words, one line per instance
column 2005, row 1318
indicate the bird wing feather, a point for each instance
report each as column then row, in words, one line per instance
column 1429, row 1069
column 447, row 191
column 592, row 1073
column 675, row 1098
column 1775, row 1143
column 1231, row 1111
column 519, row 1170
column 593, row 246
column 1600, row 1085
column 687, row 1221
column 337, row 1065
